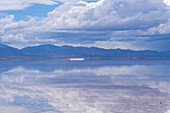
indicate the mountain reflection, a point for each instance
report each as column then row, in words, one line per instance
column 92, row 86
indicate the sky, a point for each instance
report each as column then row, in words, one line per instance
column 109, row 24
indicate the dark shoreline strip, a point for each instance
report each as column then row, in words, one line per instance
column 133, row 58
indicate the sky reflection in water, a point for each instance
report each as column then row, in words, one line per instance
column 91, row 86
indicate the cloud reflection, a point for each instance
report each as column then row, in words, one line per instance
column 88, row 89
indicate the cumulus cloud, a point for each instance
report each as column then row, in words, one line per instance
column 121, row 20
column 167, row 2
column 110, row 15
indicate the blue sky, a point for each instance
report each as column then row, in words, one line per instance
column 132, row 24
column 36, row 11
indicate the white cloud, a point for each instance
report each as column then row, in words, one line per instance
column 132, row 17
column 164, row 28
column 110, row 15
column 167, row 2
column 21, row 4
column 168, row 111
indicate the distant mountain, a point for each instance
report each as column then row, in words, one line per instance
column 51, row 51
column 7, row 51
column 64, row 51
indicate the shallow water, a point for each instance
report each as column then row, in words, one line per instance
column 90, row 86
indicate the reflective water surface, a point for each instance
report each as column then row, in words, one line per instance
column 90, row 86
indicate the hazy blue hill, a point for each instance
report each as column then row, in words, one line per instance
column 7, row 51
column 43, row 50
column 52, row 51
column 69, row 51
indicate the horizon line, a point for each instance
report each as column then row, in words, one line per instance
column 85, row 47
column 68, row 58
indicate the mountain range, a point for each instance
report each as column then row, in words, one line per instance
column 52, row 51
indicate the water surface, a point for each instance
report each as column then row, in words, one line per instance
column 90, row 86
